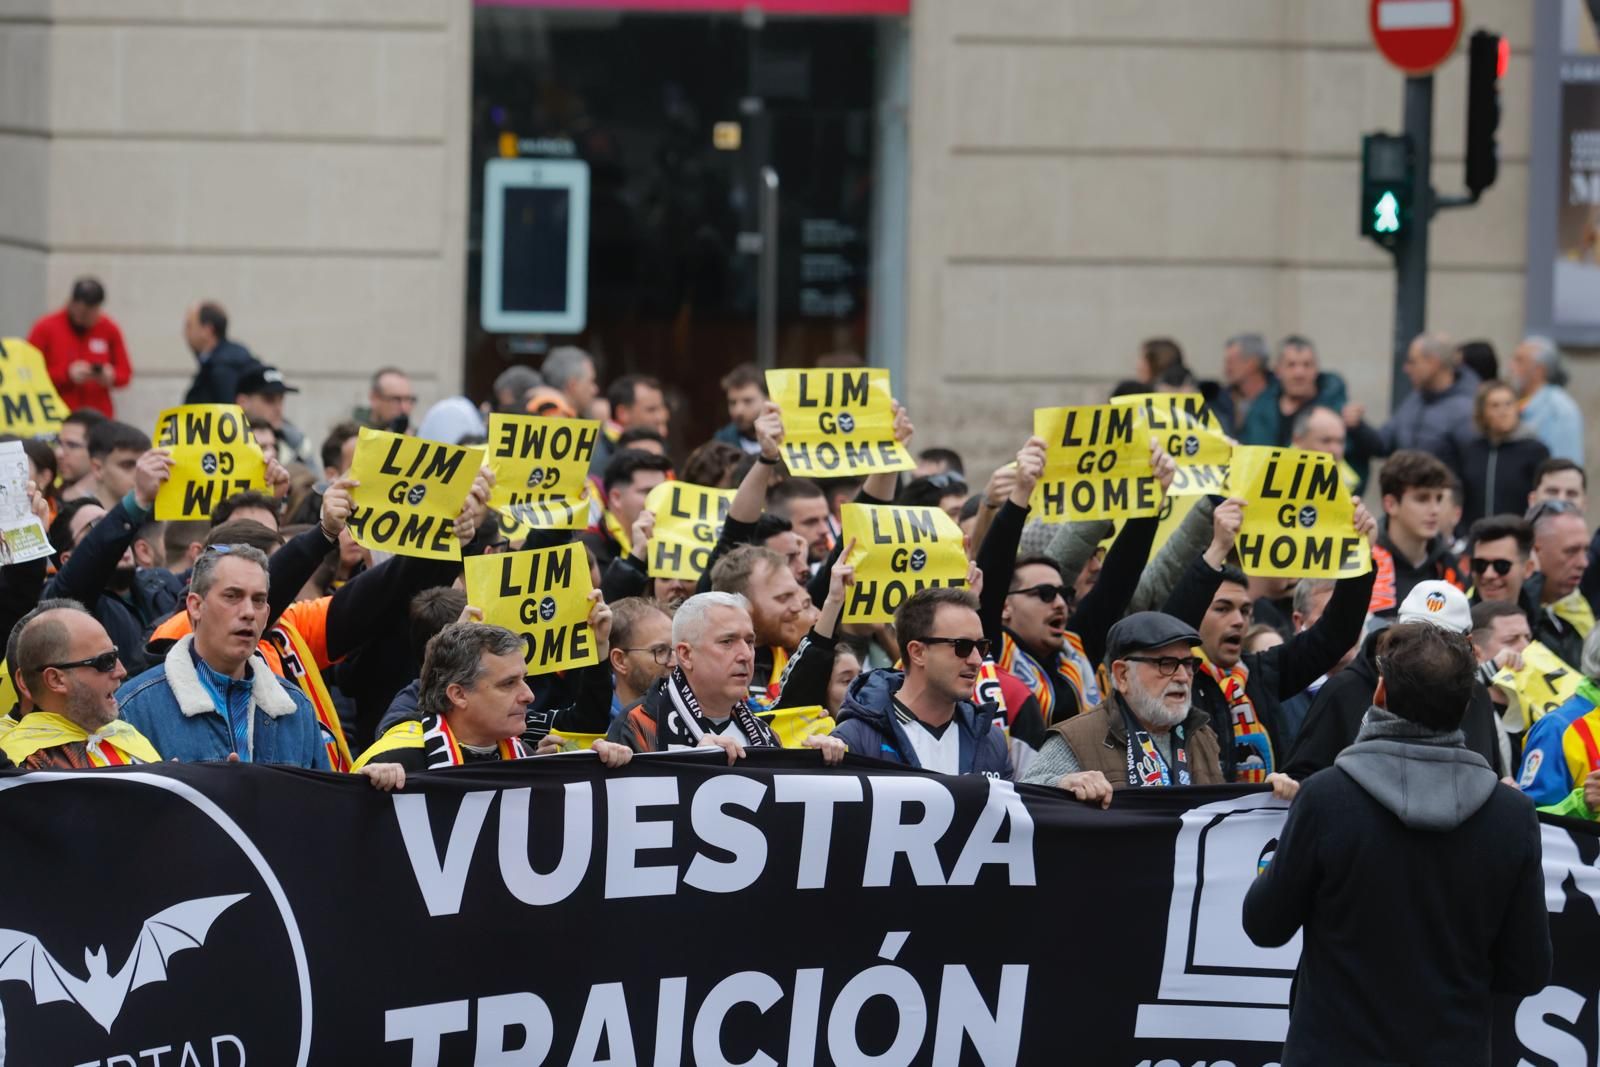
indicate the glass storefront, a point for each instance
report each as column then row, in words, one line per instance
column 685, row 123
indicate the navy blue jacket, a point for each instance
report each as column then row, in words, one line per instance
column 216, row 378
column 867, row 723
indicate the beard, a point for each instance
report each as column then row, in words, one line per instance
column 1153, row 711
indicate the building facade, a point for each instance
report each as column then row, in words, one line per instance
column 996, row 200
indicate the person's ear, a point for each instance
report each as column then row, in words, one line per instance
column 1380, row 696
column 618, row 660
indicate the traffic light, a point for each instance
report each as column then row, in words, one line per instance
column 1487, row 56
column 1386, row 181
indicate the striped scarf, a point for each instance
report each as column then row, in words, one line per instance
column 1072, row 663
column 618, row 534
column 1252, row 746
column 441, row 749
column 300, row 667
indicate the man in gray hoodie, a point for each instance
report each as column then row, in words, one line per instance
column 1435, row 417
column 1414, row 874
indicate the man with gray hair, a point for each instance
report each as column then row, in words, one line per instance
column 569, row 385
column 474, row 699
column 702, row 701
column 213, row 697
column 1245, row 376
column 1540, row 379
column 1435, row 417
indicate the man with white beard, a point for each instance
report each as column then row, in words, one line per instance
column 1148, row 734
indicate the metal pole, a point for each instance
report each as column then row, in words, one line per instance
column 1411, row 256
column 767, row 290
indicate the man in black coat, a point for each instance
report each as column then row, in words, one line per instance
column 1243, row 692
column 1334, row 717
column 1415, row 875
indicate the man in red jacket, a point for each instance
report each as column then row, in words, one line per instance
column 83, row 349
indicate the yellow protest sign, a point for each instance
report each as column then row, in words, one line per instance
column 29, row 403
column 1188, row 431
column 1097, row 464
column 214, row 455
column 541, row 469
column 1544, row 683
column 410, row 493
column 794, row 725
column 898, row 551
column 1298, row 516
column 542, row 594
column 689, row 520
column 837, row 422
column 9, row 697
column 572, row 742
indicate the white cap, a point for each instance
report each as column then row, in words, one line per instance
column 1439, row 603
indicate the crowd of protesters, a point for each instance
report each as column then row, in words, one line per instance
column 1073, row 660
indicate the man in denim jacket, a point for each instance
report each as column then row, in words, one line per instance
column 214, row 698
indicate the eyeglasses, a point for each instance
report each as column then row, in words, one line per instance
column 1167, row 666
column 1502, row 567
column 105, row 663
column 662, row 654
column 1046, row 593
column 961, row 646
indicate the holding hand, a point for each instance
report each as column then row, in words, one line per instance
column 600, row 622
column 769, row 431
column 1091, row 787
column 277, row 478
column 1030, row 468
column 385, row 776
column 833, row 749
column 1365, row 524
column 644, row 527
column 1283, row 787
column 337, row 503
column 150, row 473
column 902, row 424
column 733, row 748
column 1225, row 523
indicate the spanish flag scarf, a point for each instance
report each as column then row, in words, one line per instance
column 441, row 749
column 618, row 534
column 1252, row 746
column 115, row 744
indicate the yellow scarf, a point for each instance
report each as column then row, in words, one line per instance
column 1574, row 608
column 114, row 744
column 1252, row 745
column 618, row 534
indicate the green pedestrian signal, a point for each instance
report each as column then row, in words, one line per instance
column 1387, row 179
column 1387, row 214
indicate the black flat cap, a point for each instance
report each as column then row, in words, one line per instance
column 1147, row 629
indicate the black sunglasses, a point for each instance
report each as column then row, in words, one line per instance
column 105, row 663
column 1550, row 507
column 1046, row 593
column 961, row 646
column 1167, row 666
column 1502, row 567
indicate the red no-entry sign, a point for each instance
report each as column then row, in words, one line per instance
column 1415, row 35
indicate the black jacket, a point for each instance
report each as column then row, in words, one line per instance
column 1407, row 931
column 1440, row 563
column 1335, row 718
column 216, row 380
column 1550, row 629
column 1280, row 672
column 1496, row 479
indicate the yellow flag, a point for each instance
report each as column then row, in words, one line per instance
column 29, row 403
column 9, row 697
column 1544, row 683
column 1097, row 464
column 214, row 455
column 794, row 725
column 543, row 595
column 541, row 469
column 898, row 551
column 689, row 520
column 410, row 493
column 1188, row 431
column 1298, row 516
column 837, row 422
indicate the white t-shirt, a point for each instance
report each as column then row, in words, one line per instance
column 935, row 750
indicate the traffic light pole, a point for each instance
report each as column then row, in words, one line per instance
column 1411, row 254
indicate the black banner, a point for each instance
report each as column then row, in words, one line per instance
column 678, row 912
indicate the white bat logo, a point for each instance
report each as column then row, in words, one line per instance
column 24, row 959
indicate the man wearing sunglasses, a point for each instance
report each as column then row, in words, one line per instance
column 925, row 716
column 68, row 668
column 1500, row 559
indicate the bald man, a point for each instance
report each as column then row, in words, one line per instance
column 1436, row 416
